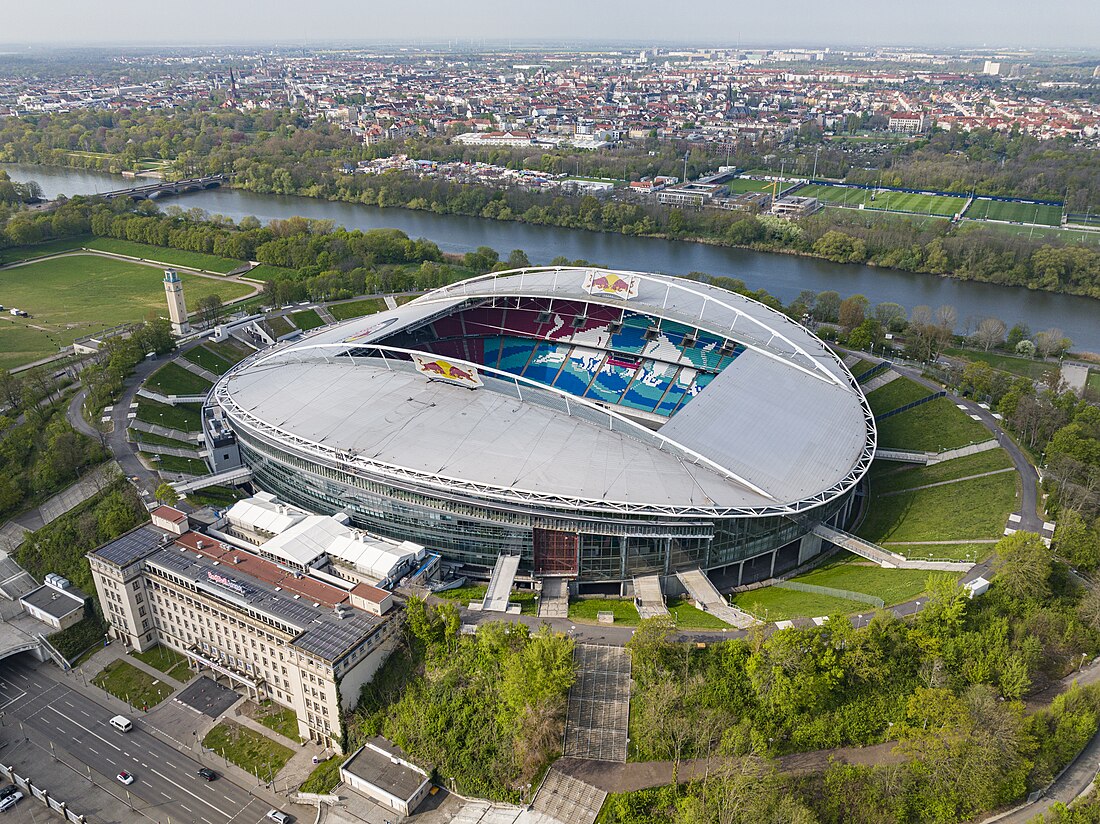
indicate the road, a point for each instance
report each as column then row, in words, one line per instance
column 45, row 710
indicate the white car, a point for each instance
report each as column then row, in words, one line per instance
column 125, row 777
column 278, row 815
column 10, row 801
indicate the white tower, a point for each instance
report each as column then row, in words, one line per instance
column 177, row 308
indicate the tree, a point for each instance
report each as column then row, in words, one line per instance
column 166, row 494
column 891, row 316
column 1024, row 566
column 1025, row 348
column 1051, row 342
column 1019, row 332
column 990, row 333
column 947, row 316
column 852, row 311
column 209, row 308
column 517, row 259
column 827, row 307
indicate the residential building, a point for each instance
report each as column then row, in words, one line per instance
column 906, row 122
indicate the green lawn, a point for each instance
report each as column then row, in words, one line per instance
column 895, row 395
column 775, row 604
column 172, row 463
column 168, row 661
column 1016, row 212
column 740, row 185
column 248, row 749
column 279, row 326
column 1027, row 367
column 182, row 416
column 275, row 717
column 216, row 496
column 587, row 609
column 476, row 592
column 162, row 254
column 917, row 475
column 324, row 778
column 847, row 571
column 151, row 440
column 961, row 511
column 173, row 379
column 688, row 616
column 201, row 356
column 229, row 350
column 861, row 366
column 1093, row 384
column 945, row 552
column 267, row 272
column 932, row 427
column 123, row 680
column 76, row 295
column 307, row 319
column 50, row 247
column 357, row 308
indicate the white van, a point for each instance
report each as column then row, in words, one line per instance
column 122, row 723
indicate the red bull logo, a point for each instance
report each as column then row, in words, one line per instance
column 439, row 369
column 609, row 283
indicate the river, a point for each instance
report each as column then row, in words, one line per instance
column 781, row 275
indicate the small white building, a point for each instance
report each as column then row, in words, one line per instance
column 379, row 771
column 57, row 603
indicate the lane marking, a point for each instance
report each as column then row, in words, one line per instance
column 91, row 732
column 166, row 795
column 198, row 798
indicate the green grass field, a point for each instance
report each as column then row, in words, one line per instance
column 915, row 475
column 895, row 395
column 307, row 319
column 847, row 571
column 173, row 463
column 77, row 295
column 182, row 416
column 932, row 427
column 972, row 553
column 357, row 308
column 51, row 247
column 588, row 609
column 174, row 257
column 476, row 592
column 150, row 441
column 775, row 604
column 229, row 350
column 884, row 200
column 741, row 185
column 688, row 616
column 208, row 360
column 216, row 496
column 1015, row 212
column 279, row 326
column 1026, row 367
column 975, row 509
column 173, row 379
column 1093, row 383
column 137, row 687
column 167, row 661
column 248, row 749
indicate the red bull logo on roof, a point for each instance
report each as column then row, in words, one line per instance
column 598, row 282
column 441, row 370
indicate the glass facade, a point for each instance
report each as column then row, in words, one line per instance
column 610, row 547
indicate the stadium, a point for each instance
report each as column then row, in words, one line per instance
column 600, row 425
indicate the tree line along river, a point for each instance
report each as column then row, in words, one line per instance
column 781, row 275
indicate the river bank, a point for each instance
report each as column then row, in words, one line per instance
column 781, row 275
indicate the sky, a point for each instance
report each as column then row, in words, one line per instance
column 1069, row 24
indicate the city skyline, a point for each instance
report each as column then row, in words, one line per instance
column 1012, row 24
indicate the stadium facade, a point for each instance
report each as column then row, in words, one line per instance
column 602, row 425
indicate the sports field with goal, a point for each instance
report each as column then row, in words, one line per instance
column 884, row 200
column 1040, row 213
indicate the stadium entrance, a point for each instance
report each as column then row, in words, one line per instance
column 555, row 552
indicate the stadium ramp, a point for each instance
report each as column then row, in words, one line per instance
column 707, row 597
column 500, row 585
column 879, row 381
column 883, row 557
column 554, row 598
column 648, row 597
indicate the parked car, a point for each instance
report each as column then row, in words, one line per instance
column 207, row 773
column 278, row 816
column 10, row 801
column 11, row 789
column 125, row 777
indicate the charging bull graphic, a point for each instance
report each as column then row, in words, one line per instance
column 439, row 369
column 608, row 283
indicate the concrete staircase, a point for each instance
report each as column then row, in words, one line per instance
column 195, row 369
column 707, row 597
column 554, row 599
column 563, row 799
column 880, row 381
column 500, row 585
column 648, row 597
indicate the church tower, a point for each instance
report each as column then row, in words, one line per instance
column 177, row 308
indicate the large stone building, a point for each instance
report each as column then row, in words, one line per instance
column 305, row 639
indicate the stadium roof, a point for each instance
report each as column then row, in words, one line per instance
column 784, row 427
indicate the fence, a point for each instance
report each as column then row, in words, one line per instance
column 37, row 793
column 877, row 369
column 909, row 406
column 847, row 594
